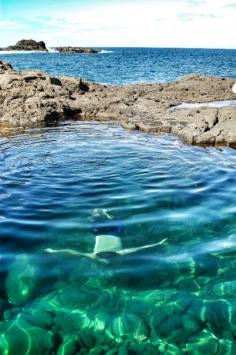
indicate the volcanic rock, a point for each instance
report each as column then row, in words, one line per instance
column 34, row 98
column 4, row 67
column 28, row 45
column 79, row 50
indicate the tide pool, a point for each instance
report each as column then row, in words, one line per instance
column 178, row 297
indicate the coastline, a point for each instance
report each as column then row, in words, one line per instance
column 35, row 98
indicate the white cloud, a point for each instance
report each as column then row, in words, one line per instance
column 10, row 25
column 169, row 23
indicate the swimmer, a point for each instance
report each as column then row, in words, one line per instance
column 108, row 240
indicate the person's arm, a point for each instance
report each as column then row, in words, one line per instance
column 133, row 250
column 70, row 252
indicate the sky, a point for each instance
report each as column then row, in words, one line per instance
column 123, row 23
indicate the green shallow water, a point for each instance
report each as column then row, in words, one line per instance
column 178, row 297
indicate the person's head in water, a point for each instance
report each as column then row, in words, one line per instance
column 100, row 213
column 105, row 224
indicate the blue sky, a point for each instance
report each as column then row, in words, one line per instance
column 144, row 23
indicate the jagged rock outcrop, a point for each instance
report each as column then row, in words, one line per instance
column 34, row 98
column 5, row 67
column 79, row 50
column 27, row 45
column 148, row 107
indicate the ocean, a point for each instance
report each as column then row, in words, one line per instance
column 162, row 213
column 119, row 66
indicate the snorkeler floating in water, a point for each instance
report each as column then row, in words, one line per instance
column 108, row 233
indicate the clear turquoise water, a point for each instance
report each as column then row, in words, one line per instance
column 129, row 65
column 175, row 298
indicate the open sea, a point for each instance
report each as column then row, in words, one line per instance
column 120, row 66
column 161, row 213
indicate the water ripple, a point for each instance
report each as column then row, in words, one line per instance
column 177, row 197
column 132, row 64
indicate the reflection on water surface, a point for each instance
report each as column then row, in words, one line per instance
column 176, row 297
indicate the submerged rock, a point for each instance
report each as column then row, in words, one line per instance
column 69, row 345
column 218, row 317
column 204, row 343
column 21, row 281
column 129, row 326
column 20, row 337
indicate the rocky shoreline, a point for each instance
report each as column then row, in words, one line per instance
column 36, row 99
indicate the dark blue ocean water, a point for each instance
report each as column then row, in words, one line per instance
column 131, row 65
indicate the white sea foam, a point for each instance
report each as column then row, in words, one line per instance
column 20, row 52
column 104, row 51
column 50, row 50
column 213, row 104
column 53, row 50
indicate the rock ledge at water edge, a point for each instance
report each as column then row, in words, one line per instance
column 35, row 99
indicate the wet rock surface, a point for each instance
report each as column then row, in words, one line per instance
column 34, row 98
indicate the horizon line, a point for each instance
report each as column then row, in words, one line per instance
column 135, row 47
